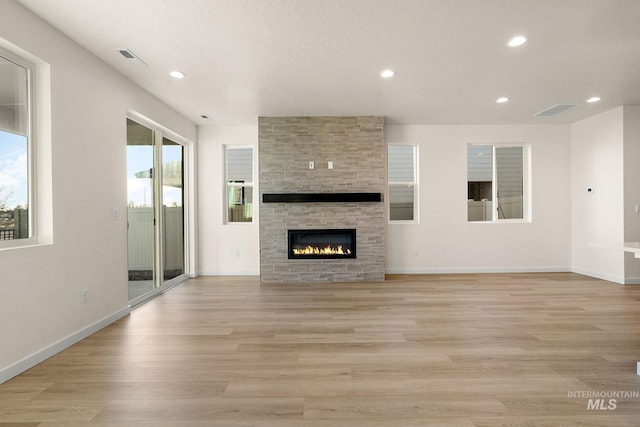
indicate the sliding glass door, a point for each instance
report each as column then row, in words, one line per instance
column 172, row 209
column 155, row 191
column 141, row 208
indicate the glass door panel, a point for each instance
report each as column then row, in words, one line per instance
column 173, row 209
column 141, row 212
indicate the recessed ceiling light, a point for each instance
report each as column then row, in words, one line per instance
column 177, row 74
column 517, row 41
column 385, row 74
column 593, row 99
column 502, row 100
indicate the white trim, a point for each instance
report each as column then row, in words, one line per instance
column 189, row 206
column 31, row 72
column 40, row 192
column 230, row 274
column 630, row 247
column 475, row 270
column 153, row 125
column 607, row 277
column 191, row 209
column 502, row 221
column 226, row 184
column 42, row 355
column 527, row 190
column 168, row 285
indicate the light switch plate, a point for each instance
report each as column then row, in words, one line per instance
column 312, row 165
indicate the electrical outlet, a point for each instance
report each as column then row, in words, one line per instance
column 84, row 296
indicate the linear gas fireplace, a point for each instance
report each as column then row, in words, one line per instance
column 322, row 243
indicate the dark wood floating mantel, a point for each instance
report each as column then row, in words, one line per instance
column 320, row 197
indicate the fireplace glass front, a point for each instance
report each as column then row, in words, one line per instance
column 322, row 243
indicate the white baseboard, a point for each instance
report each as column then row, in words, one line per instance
column 229, row 273
column 607, row 277
column 42, row 355
column 472, row 270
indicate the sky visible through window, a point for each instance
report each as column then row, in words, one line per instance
column 13, row 169
column 139, row 163
column 13, row 172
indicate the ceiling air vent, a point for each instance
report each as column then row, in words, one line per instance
column 131, row 56
column 555, row 110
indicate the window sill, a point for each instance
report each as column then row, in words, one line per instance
column 502, row 221
column 7, row 245
column 393, row 222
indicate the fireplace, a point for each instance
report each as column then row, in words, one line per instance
column 322, row 243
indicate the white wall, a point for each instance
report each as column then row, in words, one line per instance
column 225, row 249
column 598, row 217
column 444, row 241
column 40, row 309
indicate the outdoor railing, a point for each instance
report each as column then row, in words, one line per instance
column 7, row 234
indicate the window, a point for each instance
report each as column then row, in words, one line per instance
column 497, row 182
column 239, row 184
column 402, row 179
column 15, row 147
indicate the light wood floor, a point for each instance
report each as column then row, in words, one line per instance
column 442, row 350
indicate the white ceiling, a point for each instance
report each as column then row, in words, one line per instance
column 250, row 58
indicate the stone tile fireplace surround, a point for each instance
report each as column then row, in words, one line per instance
column 355, row 146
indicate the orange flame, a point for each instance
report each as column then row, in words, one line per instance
column 310, row 250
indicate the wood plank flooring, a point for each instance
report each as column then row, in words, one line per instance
column 437, row 350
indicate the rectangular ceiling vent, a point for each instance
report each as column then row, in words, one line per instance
column 555, row 110
column 131, row 56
